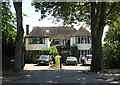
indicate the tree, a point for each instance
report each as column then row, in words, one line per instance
column 8, row 30
column 98, row 21
column 111, row 48
column 98, row 13
column 8, row 36
column 19, row 37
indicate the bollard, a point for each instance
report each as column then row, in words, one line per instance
column 60, row 63
column 57, row 61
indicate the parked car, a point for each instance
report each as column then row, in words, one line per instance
column 44, row 60
column 71, row 60
column 86, row 60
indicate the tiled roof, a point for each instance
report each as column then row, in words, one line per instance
column 58, row 32
column 52, row 32
column 82, row 32
column 36, row 32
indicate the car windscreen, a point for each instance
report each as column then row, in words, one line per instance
column 71, row 58
column 44, row 57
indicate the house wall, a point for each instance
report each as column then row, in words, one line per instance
column 80, row 46
column 37, row 46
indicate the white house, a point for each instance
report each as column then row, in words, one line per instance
column 82, row 38
column 62, row 37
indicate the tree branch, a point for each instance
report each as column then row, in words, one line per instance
column 113, row 6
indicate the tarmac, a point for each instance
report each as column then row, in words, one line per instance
column 64, row 76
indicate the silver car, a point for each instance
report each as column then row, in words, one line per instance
column 71, row 60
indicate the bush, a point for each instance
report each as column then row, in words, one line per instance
column 28, row 59
column 74, row 50
column 49, row 51
column 112, row 53
column 45, row 51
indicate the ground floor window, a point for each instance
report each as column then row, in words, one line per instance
column 84, row 52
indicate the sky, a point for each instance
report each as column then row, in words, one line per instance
column 32, row 18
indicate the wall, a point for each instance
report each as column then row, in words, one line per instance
column 84, row 46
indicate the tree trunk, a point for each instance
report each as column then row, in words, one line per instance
column 19, row 37
column 98, row 16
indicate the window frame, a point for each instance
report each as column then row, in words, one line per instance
column 37, row 40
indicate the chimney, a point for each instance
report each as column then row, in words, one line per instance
column 27, row 29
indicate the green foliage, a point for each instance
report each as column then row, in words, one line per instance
column 74, row 12
column 113, row 33
column 112, row 54
column 49, row 51
column 8, row 24
column 91, row 50
column 45, row 51
column 114, row 12
column 74, row 50
column 8, row 31
column 28, row 59
column 52, row 50
column 112, row 47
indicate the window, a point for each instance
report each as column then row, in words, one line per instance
column 79, row 39
column 59, row 42
column 76, row 40
column 39, row 40
column 86, row 40
column 83, row 52
column 90, row 41
column 83, row 40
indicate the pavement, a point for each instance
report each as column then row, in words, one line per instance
column 74, row 76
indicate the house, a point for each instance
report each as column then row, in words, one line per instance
column 61, row 37
column 82, row 38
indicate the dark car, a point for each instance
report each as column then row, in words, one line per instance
column 71, row 60
column 44, row 60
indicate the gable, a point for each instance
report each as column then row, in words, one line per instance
column 82, row 32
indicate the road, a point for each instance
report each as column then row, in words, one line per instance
column 43, row 75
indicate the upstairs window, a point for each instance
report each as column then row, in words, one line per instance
column 59, row 42
column 35, row 40
column 83, row 40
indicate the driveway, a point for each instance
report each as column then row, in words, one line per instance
column 35, row 67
